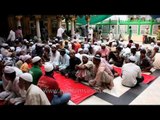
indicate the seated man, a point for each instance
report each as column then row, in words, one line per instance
column 26, row 66
column 34, row 95
column 36, row 71
column 85, row 69
column 104, row 50
column 105, row 61
column 103, row 75
column 156, row 61
column 144, row 61
column 49, row 85
column 55, row 56
column 70, row 71
column 131, row 73
column 64, row 60
column 11, row 93
column 117, row 57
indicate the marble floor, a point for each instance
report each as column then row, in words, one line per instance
column 144, row 94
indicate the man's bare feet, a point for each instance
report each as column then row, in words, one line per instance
column 111, row 85
column 99, row 89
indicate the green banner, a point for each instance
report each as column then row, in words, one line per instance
column 93, row 19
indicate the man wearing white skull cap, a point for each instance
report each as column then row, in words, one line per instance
column 26, row 66
column 104, row 50
column 11, row 88
column 55, row 56
column 34, row 95
column 79, row 54
column 35, row 70
column 36, row 59
column 103, row 76
column 131, row 77
column 85, row 69
column 48, row 83
column 64, row 60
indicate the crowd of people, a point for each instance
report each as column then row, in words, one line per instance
column 27, row 66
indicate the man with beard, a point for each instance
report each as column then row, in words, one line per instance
column 70, row 71
column 51, row 88
column 103, row 75
column 85, row 69
column 64, row 60
column 55, row 56
column 12, row 91
column 34, row 95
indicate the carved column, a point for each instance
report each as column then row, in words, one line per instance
column 59, row 19
column 37, row 17
column 18, row 20
column 49, row 27
column 73, row 18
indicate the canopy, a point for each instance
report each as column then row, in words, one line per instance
column 93, row 19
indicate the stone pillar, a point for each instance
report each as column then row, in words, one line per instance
column 19, row 20
column 88, row 20
column 12, row 23
column 26, row 25
column 73, row 18
column 59, row 19
column 37, row 17
column 49, row 27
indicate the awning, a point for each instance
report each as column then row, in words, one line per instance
column 93, row 19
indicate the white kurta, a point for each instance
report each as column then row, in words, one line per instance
column 60, row 32
column 78, row 55
column 64, row 62
column 11, row 36
column 35, row 96
column 11, row 89
column 54, row 59
column 5, row 52
column 96, row 48
column 129, row 73
column 156, row 62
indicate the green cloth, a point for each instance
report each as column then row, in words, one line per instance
column 93, row 19
column 36, row 73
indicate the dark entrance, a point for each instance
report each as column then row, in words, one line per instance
column 4, row 26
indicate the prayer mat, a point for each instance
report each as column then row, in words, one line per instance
column 147, row 78
column 78, row 91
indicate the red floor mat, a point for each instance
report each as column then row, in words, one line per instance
column 118, row 70
column 78, row 91
column 147, row 78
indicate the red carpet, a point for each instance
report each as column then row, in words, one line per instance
column 78, row 91
column 147, row 78
column 118, row 70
